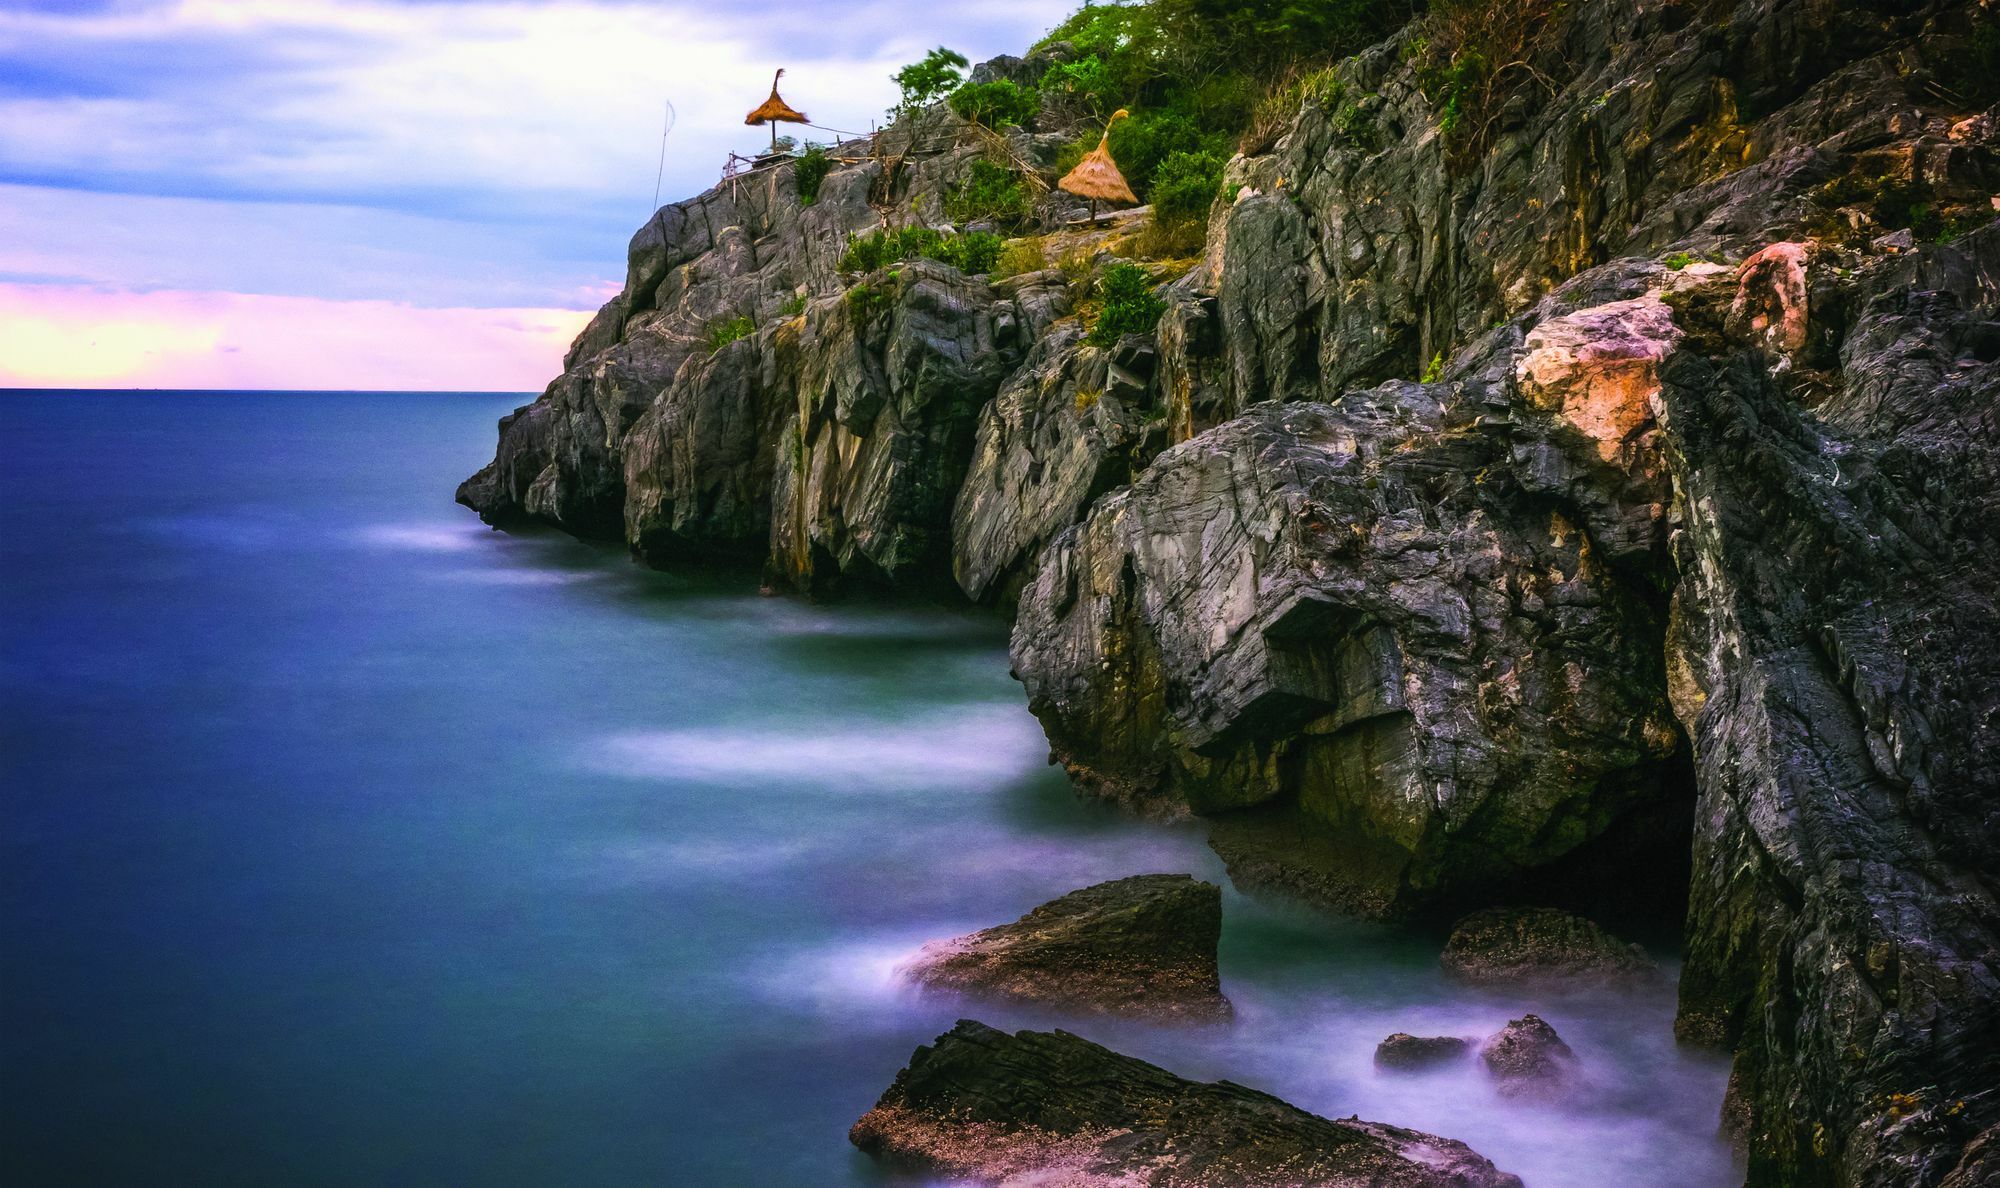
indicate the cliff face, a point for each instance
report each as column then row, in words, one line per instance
column 1682, row 548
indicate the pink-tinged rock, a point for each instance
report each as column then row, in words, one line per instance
column 1599, row 369
column 1770, row 305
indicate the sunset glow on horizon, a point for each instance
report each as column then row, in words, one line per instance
column 73, row 337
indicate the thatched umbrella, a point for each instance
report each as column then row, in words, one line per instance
column 775, row 111
column 1096, row 177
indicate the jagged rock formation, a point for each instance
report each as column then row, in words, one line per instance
column 1517, row 946
column 1141, row 946
column 1683, row 546
column 1047, row 1107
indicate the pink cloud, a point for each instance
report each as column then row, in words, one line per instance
column 82, row 336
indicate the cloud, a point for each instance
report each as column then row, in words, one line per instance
column 83, row 337
column 442, row 154
column 476, row 109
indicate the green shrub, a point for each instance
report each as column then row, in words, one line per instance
column 1142, row 143
column 1130, row 305
column 1185, row 185
column 997, row 104
column 1354, row 121
column 793, row 306
column 809, row 171
column 971, row 254
column 866, row 300
column 722, row 333
column 1678, row 260
column 929, row 79
column 864, row 253
column 988, row 192
column 1085, row 84
column 1434, row 370
column 974, row 253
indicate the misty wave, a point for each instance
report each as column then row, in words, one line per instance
column 423, row 538
column 519, row 577
column 983, row 746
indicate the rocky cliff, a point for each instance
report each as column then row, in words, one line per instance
column 1587, row 478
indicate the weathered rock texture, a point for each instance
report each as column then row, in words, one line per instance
column 1141, row 946
column 1048, row 1107
column 1517, row 946
column 1682, row 550
column 1528, row 1059
column 1403, row 1051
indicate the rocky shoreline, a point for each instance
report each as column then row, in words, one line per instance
column 1602, row 503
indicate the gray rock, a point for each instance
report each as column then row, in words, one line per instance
column 1404, row 1052
column 1141, row 946
column 985, row 1107
column 1530, row 946
column 1350, row 610
column 1527, row 1058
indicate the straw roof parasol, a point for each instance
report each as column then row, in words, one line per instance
column 775, row 111
column 1096, row 177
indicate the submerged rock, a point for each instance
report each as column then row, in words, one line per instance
column 1142, row 946
column 1051, row 1108
column 1529, row 1059
column 1508, row 946
column 1404, row 1052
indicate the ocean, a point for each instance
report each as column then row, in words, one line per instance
column 344, row 841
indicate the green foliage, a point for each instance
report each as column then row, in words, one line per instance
column 997, row 104
column 1678, row 260
column 722, row 333
column 1963, row 225
column 1911, row 206
column 1192, row 71
column 1434, row 370
column 1185, row 185
column 1450, row 82
column 1353, row 115
column 1020, row 256
column 793, row 306
column 971, row 254
column 867, row 300
column 1085, row 84
column 929, row 79
column 1198, row 38
column 988, row 192
column 1130, row 305
column 809, row 171
column 1141, row 144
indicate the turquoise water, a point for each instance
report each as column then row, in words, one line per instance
column 347, row 842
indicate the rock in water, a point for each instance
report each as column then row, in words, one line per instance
column 1051, row 1108
column 1529, row 1059
column 1506, row 946
column 1143, row 945
column 1404, row 1052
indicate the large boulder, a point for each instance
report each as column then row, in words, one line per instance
column 986, row 1107
column 1355, row 615
column 1142, row 946
column 1517, row 946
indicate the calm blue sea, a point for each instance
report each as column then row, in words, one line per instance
column 344, row 841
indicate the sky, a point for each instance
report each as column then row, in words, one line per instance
column 386, row 194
